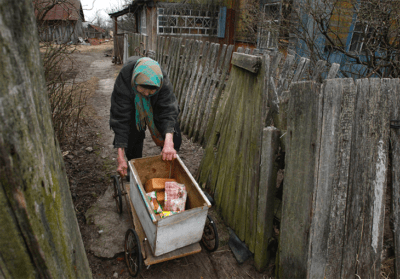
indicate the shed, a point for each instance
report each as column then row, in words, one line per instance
column 59, row 21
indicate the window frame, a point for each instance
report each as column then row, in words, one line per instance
column 271, row 41
column 172, row 23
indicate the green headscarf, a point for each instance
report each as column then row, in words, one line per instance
column 146, row 72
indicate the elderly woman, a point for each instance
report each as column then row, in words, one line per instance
column 143, row 97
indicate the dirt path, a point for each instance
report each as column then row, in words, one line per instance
column 89, row 172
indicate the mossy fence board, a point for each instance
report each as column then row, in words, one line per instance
column 395, row 145
column 299, row 180
column 335, row 134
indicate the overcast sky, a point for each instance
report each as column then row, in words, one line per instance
column 90, row 7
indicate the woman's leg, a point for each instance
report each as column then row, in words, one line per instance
column 135, row 144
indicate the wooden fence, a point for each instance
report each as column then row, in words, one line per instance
column 334, row 132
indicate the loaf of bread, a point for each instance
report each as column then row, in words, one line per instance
column 157, row 184
column 160, row 196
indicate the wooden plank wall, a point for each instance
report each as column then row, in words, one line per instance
column 198, row 71
column 137, row 44
column 231, row 165
column 337, row 178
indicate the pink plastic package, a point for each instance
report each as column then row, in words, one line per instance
column 175, row 197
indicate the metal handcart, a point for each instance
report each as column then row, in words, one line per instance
column 153, row 239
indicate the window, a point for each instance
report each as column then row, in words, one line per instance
column 269, row 31
column 361, row 33
column 186, row 22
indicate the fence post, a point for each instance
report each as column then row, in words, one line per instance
column 298, row 188
column 266, row 195
column 125, row 48
column 331, row 176
column 367, row 181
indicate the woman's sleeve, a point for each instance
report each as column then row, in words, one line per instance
column 121, row 112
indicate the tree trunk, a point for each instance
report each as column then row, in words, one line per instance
column 39, row 234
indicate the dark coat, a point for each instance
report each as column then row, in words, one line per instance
column 122, row 112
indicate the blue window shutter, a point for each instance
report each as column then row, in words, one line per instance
column 221, row 22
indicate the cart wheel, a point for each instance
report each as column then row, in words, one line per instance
column 117, row 193
column 210, row 235
column 133, row 252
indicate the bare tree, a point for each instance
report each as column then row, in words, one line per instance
column 126, row 22
column 361, row 35
column 67, row 97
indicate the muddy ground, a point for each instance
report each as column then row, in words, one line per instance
column 90, row 160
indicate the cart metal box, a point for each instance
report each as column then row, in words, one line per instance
column 176, row 231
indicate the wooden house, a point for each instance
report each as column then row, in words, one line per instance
column 218, row 21
column 93, row 31
column 363, row 37
column 59, row 21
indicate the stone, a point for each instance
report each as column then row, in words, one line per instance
column 103, row 216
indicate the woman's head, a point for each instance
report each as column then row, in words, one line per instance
column 147, row 77
column 146, row 90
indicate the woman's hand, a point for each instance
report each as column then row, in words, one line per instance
column 122, row 164
column 168, row 152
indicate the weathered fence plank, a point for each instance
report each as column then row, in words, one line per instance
column 318, row 70
column 257, row 125
column 200, row 78
column 365, row 206
column 340, row 184
column 266, row 195
column 227, row 187
column 171, row 55
column 209, row 167
column 241, row 196
column 158, row 48
column 204, row 90
column 183, row 71
column 203, row 95
column 162, row 45
column 299, row 179
column 176, row 62
column 147, row 46
column 246, row 61
column 141, row 44
column 333, row 167
column 395, row 145
column 301, row 69
column 333, row 71
column 235, row 142
column 284, row 76
column 165, row 51
column 190, row 75
column 202, row 117
column 196, row 72
column 275, row 60
column 209, row 122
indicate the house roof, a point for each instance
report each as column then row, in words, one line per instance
column 59, row 9
column 131, row 8
column 97, row 28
